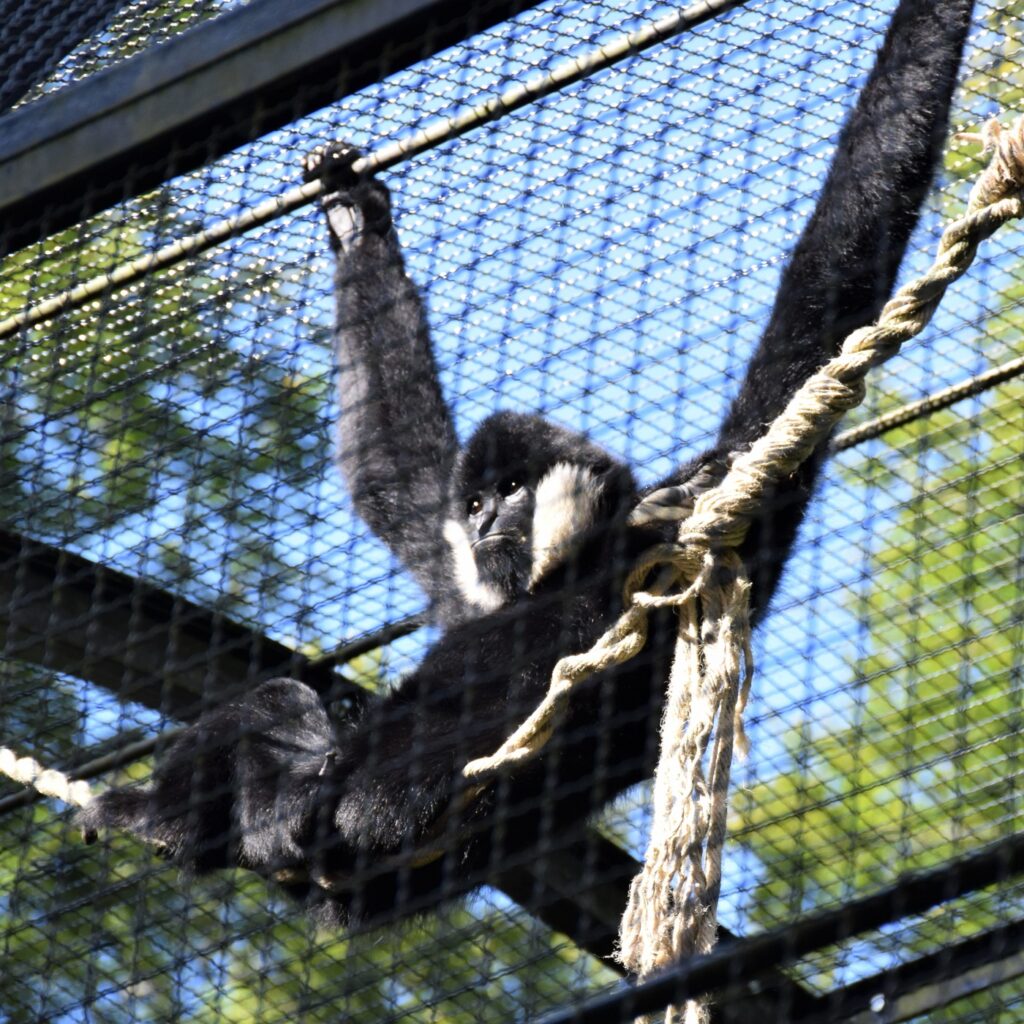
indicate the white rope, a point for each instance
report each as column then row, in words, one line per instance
column 47, row 781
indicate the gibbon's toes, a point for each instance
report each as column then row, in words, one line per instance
column 332, row 163
column 710, row 474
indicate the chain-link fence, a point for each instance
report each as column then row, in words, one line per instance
column 602, row 247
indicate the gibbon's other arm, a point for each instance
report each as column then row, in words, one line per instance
column 844, row 265
column 397, row 438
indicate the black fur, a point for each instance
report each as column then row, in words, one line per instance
column 270, row 783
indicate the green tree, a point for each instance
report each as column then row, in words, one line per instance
column 919, row 758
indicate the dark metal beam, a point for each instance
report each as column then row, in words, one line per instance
column 930, row 982
column 580, row 890
column 66, row 613
column 178, row 106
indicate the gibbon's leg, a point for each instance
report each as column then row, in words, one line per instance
column 239, row 787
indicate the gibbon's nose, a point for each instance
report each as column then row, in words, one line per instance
column 487, row 516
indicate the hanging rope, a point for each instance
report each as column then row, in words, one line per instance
column 672, row 907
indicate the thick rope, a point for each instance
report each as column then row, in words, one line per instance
column 47, row 781
column 672, row 909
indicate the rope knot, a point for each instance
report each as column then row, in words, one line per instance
column 1003, row 178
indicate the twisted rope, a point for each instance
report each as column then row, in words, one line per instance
column 672, row 908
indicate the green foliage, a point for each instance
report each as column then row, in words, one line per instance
column 122, row 406
column 918, row 759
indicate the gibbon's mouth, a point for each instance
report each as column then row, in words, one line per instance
column 491, row 537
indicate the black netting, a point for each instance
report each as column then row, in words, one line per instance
column 174, row 530
column 53, row 44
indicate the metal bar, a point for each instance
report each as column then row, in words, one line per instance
column 387, row 155
column 930, row 982
column 580, row 889
column 926, row 406
column 178, row 106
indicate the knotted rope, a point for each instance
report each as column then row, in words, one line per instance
column 672, row 908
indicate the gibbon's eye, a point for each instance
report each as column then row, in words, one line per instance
column 509, row 486
column 474, row 506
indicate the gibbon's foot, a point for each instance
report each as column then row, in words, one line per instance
column 240, row 787
column 354, row 203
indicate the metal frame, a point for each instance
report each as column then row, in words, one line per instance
column 123, row 131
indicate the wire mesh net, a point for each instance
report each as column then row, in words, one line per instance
column 175, row 529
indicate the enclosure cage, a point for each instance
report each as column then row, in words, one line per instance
column 598, row 228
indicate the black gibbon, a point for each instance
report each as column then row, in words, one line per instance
column 521, row 540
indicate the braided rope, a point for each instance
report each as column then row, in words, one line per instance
column 672, row 907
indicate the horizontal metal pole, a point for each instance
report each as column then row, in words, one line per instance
column 909, row 991
column 178, row 106
column 929, row 404
column 488, row 109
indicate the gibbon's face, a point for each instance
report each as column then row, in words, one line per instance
column 490, row 533
column 526, row 492
column 498, row 522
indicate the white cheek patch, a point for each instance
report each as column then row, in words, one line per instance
column 565, row 507
column 346, row 224
column 482, row 595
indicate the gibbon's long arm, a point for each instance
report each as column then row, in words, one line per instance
column 397, row 438
column 844, row 265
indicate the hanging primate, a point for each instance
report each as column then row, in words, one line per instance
column 521, row 539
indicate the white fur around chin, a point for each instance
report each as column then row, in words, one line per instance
column 482, row 595
column 565, row 506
